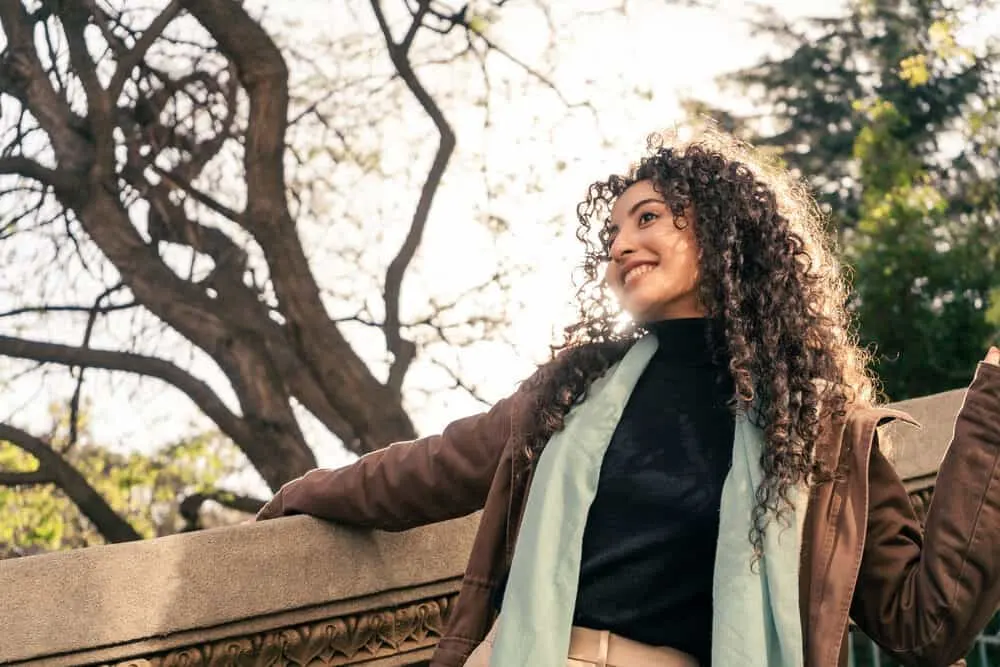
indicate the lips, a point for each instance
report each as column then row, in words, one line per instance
column 635, row 272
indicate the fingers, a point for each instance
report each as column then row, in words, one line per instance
column 993, row 356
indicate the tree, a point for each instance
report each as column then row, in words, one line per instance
column 88, row 495
column 891, row 118
column 921, row 260
column 119, row 169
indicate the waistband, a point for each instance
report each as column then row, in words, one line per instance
column 606, row 649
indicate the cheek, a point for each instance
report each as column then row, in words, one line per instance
column 685, row 258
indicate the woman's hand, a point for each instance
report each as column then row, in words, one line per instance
column 993, row 356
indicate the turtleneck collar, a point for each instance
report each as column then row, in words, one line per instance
column 687, row 341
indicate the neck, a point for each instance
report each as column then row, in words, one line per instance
column 687, row 340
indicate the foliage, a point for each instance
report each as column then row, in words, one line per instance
column 889, row 112
column 924, row 273
column 146, row 489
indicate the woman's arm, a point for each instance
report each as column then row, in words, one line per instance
column 924, row 595
column 407, row 484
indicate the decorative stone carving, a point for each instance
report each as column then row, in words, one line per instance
column 337, row 641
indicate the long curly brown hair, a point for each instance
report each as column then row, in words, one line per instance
column 768, row 276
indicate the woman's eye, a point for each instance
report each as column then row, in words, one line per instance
column 647, row 217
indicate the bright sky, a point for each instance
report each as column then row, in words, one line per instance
column 668, row 51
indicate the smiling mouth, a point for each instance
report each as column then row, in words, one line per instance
column 636, row 273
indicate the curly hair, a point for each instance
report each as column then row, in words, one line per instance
column 768, row 276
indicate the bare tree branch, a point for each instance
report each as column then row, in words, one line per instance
column 461, row 18
column 244, row 311
column 75, row 18
column 22, row 75
column 41, row 310
column 270, row 424
column 372, row 409
column 195, row 389
column 459, row 383
column 134, row 57
column 113, row 527
column 199, row 196
column 190, row 507
column 74, row 402
column 418, row 19
column 167, row 221
column 31, row 478
column 53, row 55
column 60, row 181
column 403, row 350
column 268, row 433
column 146, row 140
column 264, row 74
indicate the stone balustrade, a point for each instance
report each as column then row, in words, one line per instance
column 294, row 591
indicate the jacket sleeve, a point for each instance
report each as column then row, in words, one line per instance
column 406, row 484
column 924, row 595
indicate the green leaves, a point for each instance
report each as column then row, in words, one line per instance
column 992, row 314
column 893, row 120
column 923, row 280
column 914, row 70
column 478, row 24
column 146, row 489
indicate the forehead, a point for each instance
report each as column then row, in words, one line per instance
column 637, row 192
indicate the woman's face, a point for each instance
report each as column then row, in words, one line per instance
column 654, row 265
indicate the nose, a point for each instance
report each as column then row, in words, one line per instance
column 622, row 246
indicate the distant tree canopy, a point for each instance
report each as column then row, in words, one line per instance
column 891, row 112
column 118, row 495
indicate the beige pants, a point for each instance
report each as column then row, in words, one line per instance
column 598, row 648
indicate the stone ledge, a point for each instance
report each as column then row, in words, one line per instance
column 292, row 591
column 917, row 453
column 115, row 602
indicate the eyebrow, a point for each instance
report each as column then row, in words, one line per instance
column 638, row 204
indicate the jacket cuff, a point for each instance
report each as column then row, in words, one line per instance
column 274, row 508
column 988, row 373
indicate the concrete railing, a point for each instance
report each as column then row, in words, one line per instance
column 917, row 453
column 294, row 591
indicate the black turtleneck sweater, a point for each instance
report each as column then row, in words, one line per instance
column 649, row 544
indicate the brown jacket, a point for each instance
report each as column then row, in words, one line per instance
column 923, row 595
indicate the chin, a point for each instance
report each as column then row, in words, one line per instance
column 655, row 312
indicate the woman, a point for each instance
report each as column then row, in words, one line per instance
column 706, row 484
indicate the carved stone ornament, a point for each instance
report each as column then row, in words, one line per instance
column 345, row 640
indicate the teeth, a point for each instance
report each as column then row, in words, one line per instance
column 636, row 272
